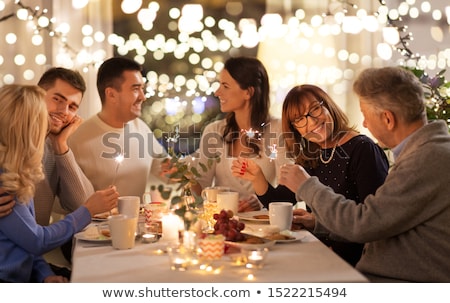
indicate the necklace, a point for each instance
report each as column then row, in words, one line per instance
column 331, row 156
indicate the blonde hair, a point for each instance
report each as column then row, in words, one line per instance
column 23, row 128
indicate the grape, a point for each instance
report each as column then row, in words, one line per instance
column 240, row 226
column 228, row 227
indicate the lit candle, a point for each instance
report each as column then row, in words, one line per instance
column 170, row 227
column 180, row 264
column 255, row 258
column 148, row 238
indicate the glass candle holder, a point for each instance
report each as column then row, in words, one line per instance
column 179, row 257
column 255, row 258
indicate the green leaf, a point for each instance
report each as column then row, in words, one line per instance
column 203, row 167
column 195, row 172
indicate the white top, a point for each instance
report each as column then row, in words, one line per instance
column 96, row 145
column 220, row 173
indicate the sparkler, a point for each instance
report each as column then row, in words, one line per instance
column 253, row 134
column 118, row 159
column 174, row 139
column 273, row 152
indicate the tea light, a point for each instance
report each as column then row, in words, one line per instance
column 255, row 258
column 149, row 238
column 179, row 264
column 179, row 257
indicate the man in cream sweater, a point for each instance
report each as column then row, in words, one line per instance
column 115, row 145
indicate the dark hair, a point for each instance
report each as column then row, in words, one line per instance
column 392, row 88
column 72, row 77
column 303, row 151
column 110, row 73
column 249, row 72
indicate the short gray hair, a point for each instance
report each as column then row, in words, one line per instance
column 395, row 89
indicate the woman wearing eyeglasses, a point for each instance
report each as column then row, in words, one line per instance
column 318, row 136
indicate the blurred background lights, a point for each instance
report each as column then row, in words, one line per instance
column 19, row 59
column 130, row 6
column 40, row 59
column 182, row 45
column 79, row 4
column 28, row 74
column 10, row 38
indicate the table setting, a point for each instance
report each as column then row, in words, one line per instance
column 254, row 251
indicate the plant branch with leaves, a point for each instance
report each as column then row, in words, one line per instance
column 181, row 170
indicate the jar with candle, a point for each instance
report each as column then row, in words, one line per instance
column 255, row 258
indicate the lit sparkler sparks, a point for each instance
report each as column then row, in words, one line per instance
column 176, row 136
column 273, row 152
column 118, row 159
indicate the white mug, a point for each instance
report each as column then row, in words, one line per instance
column 129, row 205
column 228, row 200
column 210, row 193
column 123, row 231
column 280, row 215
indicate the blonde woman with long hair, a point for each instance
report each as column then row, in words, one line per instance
column 23, row 128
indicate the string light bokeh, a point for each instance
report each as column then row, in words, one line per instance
column 182, row 46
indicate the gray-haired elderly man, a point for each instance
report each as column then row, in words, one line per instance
column 406, row 223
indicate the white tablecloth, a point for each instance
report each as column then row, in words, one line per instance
column 307, row 260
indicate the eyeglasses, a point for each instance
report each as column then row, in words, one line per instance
column 314, row 112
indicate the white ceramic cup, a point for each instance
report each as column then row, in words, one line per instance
column 280, row 215
column 123, row 231
column 129, row 205
column 228, row 200
column 210, row 193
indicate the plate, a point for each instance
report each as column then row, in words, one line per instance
column 101, row 239
column 295, row 237
column 243, row 245
column 96, row 219
column 104, row 216
column 254, row 216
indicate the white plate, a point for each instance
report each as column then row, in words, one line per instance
column 82, row 236
column 94, row 219
column 295, row 237
column 250, row 216
column 267, row 243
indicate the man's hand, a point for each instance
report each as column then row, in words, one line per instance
column 303, row 219
column 293, row 176
column 60, row 140
column 102, row 201
column 6, row 203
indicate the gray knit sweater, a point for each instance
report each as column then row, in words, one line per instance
column 406, row 224
column 64, row 180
